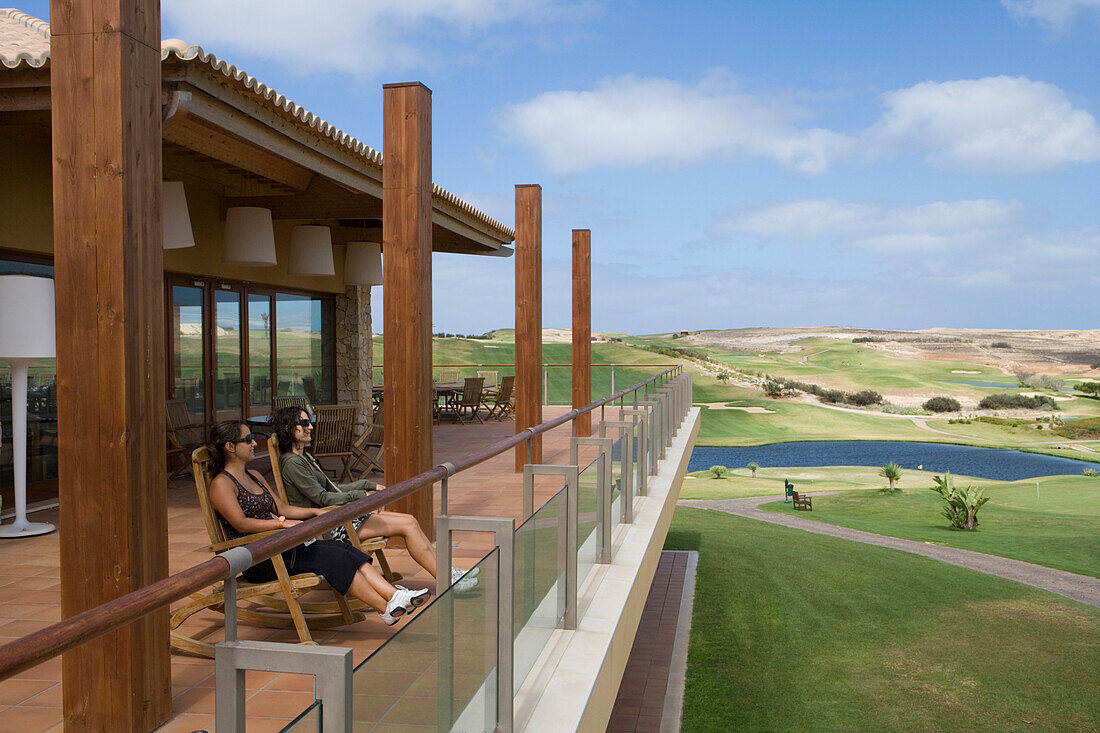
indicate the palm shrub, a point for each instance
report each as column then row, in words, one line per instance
column 962, row 504
column 719, row 471
column 1090, row 472
column 754, row 467
column 892, row 473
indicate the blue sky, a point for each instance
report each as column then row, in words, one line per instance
column 883, row 164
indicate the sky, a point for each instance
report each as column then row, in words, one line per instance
column 882, row 164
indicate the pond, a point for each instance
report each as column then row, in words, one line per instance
column 992, row 463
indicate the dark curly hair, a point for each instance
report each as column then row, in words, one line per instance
column 224, row 432
column 283, row 422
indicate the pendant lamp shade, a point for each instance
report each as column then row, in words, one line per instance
column 175, row 219
column 311, row 251
column 363, row 265
column 249, row 237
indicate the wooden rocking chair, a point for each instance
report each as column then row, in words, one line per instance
column 274, row 604
column 374, row 545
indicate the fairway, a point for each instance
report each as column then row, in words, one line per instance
column 1056, row 524
column 794, row 631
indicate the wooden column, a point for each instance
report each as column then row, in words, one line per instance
column 582, row 328
column 109, row 271
column 528, row 386
column 407, row 290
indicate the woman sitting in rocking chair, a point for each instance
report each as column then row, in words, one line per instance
column 308, row 486
column 245, row 505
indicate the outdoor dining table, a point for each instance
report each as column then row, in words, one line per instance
column 448, row 392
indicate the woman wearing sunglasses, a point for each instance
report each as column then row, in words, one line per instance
column 310, row 487
column 245, row 505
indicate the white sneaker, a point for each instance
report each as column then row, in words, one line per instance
column 394, row 611
column 410, row 599
column 463, row 581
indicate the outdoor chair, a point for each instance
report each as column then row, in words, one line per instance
column 296, row 400
column 802, row 502
column 470, row 402
column 334, row 433
column 274, row 604
column 184, row 436
column 374, row 545
column 491, row 379
column 446, row 376
column 499, row 402
column 366, row 452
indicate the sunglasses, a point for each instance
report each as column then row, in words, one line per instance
column 305, row 422
column 246, row 439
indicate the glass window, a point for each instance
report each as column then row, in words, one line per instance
column 304, row 347
column 187, row 348
column 259, row 353
column 227, row 354
column 41, row 414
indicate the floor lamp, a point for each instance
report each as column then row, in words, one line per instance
column 26, row 334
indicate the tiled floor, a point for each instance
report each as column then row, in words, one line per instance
column 641, row 699
column 30, row 591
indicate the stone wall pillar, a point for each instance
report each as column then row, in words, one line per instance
column 354, row 350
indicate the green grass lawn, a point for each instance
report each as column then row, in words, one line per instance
column 1059, row 528
column 769, row 481
column 795, row 632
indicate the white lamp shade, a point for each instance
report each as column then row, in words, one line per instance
column 249, row 237
column 311, row 251
column 175, row 219
column 26, row 328
column 363, row 265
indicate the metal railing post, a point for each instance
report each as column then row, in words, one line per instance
column 503, row 530
column 654, row 447
column 626, row 457
column 603, row 488
column 567, row 530
column 640, row 417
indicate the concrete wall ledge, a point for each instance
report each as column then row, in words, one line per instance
column 575, row 680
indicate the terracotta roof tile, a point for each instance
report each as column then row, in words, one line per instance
column 25, row 41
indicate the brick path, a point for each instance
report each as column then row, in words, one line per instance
column 641, row 702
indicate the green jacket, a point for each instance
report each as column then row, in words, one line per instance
column 308, row 486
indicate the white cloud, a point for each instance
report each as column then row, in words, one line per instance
column 901, row 230
column 997, row 124
column 360, row 38
column 1054, row 14
column 630, row 120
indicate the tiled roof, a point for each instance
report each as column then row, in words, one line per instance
column 25, row 41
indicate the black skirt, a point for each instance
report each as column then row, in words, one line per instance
column 336, row 562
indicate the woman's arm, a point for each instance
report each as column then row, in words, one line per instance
column 223, row 497
column 285, row 510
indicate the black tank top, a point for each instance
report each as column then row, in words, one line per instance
column 254, row 506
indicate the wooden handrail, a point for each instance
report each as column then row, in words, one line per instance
column 512, row 364
column 41, row 645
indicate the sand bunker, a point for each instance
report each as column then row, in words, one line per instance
column 1056, row 398
column 724, row 406
column 963, row 371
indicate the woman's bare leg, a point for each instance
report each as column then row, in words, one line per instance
column 396, row 524
column 363, row 589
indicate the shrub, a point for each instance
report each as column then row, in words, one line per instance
column 1089, row 388
column 754, row 467
column 864, row 398
column 892, row 473
column 832, row 396
column 962, row 504
column 1090, row 472
column 1038, row 381
column 723, row 376
column 1001, row 345
column 942, row 404
column 1008, row 401
column 719, row 471
column 773, row 389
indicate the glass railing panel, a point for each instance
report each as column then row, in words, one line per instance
column 308, row 721
column 589, row 539
column 617, row 469
column 538, row 586
column 438, row 672
column 640, row 458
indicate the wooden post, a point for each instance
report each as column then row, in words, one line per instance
column 407, row 290
column 582, row 328
column 528, row 386
column 109, row 271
